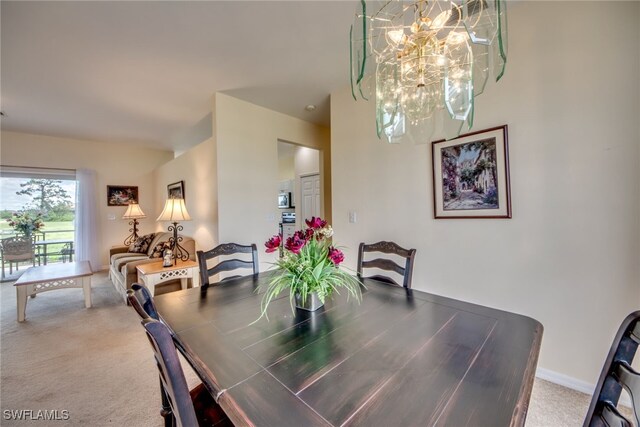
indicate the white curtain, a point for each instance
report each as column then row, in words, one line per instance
column 86, row 219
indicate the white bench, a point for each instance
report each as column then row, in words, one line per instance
column 51, row 277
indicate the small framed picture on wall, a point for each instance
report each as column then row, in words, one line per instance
column 176, row 190
column 471, row 176
column 121, row 195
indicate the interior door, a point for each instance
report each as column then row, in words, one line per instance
column 310, row 197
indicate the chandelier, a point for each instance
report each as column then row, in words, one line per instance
column 426, row 61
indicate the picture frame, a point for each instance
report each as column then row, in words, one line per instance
column 175, row 190
column 121, row 195
column 471, row 175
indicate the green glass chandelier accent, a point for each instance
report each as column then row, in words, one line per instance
column 425, row 62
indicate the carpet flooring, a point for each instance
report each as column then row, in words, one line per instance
column 97, row 364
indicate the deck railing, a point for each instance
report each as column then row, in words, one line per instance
column 47, row 253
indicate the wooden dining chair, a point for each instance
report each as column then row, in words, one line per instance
column 387, row 264
column 226, row 249
column 141, row 300
column 187, row 408
column 617, row 374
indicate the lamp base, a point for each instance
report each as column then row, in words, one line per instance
column 179, row 253
column 134, row 232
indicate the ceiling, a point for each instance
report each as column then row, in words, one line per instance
column 143, row 72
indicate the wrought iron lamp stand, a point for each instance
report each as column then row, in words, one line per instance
column 179, row 252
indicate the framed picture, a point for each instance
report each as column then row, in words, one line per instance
column 471, row 176
column 176, row 190
column 121, row 195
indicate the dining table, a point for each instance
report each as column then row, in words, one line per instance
column 396, row 357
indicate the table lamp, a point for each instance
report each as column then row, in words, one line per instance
column 133, row 212
column 175, row 211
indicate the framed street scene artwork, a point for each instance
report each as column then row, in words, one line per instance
column 471, row 176
column 121, row 195
column 176, row 190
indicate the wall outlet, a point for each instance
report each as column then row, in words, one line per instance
column 111, row 217
column 353, row 217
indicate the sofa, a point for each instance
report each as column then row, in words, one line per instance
column 148, row 248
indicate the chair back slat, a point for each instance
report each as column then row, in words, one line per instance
column 171, row 374
column 226, row 265
column 141, row 300
column 386, row 264
column 229, row 265
column 617, row 374
column 383, row 264
column 388, row 248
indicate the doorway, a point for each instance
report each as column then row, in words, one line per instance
column 296, row 167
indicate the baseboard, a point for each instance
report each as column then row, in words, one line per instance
column 574, row 384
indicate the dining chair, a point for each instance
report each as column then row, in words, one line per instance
column 226, row 249
column 188, row 408
column 15, row 250
column 141, row 300
column 617, row 374
column 387, row 264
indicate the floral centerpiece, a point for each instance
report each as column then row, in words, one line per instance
column 309, row 268
column 26, row 222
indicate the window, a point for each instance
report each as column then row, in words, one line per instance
column 40, row 203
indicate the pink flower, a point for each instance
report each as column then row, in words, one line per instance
column 295, row 242
column 315, row 223
column 335, row 255
column 273, row 243
column 308, row 233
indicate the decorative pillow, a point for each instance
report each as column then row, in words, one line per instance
column 141, row 245
column 158, row 250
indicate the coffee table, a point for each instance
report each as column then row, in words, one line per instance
column 153, row 273
column 51, row 277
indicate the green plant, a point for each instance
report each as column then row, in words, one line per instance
column 310, row 264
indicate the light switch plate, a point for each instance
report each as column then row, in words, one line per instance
column 111, row 217
column 353, row 217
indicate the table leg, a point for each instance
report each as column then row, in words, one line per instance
column 86, row 289
column 22, row 292
column 151, row 285
column 183, row 284
column 195, row 277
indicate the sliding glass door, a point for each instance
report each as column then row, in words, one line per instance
column 39, row 204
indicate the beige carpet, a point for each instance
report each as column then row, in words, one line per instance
column 96, row 363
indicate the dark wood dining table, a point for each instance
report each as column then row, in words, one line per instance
column 397, row 358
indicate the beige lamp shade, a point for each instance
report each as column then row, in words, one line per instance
column 133, row 212
column 174, row 211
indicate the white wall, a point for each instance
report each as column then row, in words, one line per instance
column 115, row 164
column 286, row 161
column 570, row 256
column 196, row 167
column 247, row 165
